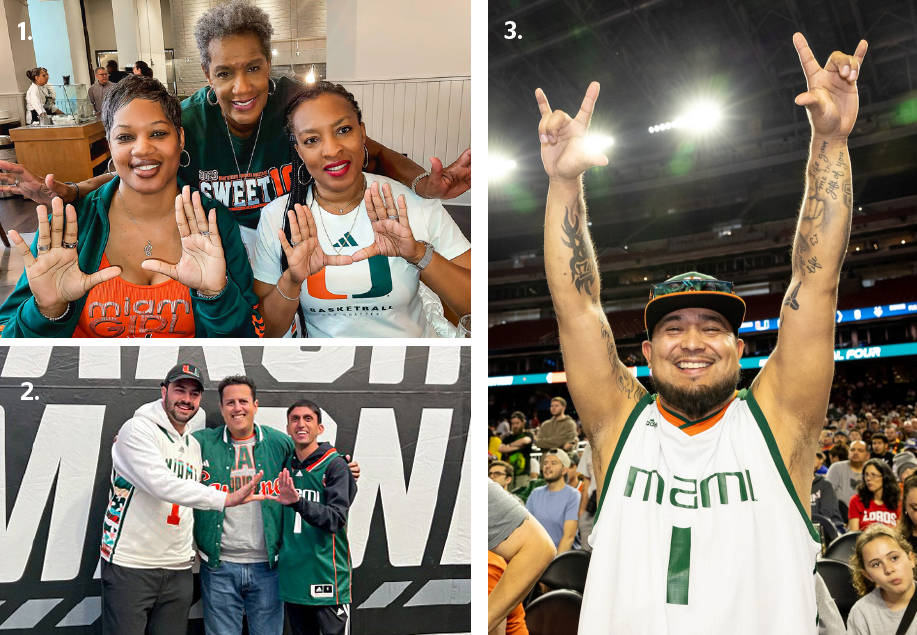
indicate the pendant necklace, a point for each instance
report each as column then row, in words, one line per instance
column 233, row 148
column 148, row 248
column 315, row 195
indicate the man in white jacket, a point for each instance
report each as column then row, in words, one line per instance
column 147, row 548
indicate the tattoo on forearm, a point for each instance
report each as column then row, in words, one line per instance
column 791, row 300
column 609, row 344
column 582, row 266
column 628, row 385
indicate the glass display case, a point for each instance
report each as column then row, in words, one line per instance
column 73, row 101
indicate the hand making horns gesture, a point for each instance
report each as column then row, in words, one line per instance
column 202, row 266
column 392, row 235
column 831, row 99
column 305, row 255
column 562, row 151
column 54, row 274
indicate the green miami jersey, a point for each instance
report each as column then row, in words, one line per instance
column 243, row 174
column 314, row 567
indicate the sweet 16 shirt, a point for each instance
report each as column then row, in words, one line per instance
column 378, row 297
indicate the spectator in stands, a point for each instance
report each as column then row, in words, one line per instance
column 877, row 498
column 572, row 472
column 856, row 435
column 910, row 446
column 825, row 440
column 883, row 574
column 556, row 504
column 880, row 448
column 514, row 624
column 514, row 535
column 838, row 453
column 820, row 464
column 845, row 476
column 502, row 427
column 850, row 419
column 517, row 450
column 588, row 498
column 891, row 432
column 908, row 429
column 559, row 431
column 501, row 473
column 907, row 524
column 841, row 437
column 824, row 500
column 493, row 444
column 904, row 467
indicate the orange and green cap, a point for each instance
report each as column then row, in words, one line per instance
column 694, row 290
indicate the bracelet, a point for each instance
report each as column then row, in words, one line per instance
column 416, row 181
column 284, row 296
column 77, row 197
column 60, row 318
column 213, row 297
column 427, row 256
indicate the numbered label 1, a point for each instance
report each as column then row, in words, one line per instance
column 511, row 31
column 21, row 26
column 26, row 396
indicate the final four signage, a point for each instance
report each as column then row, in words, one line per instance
column 403, row 412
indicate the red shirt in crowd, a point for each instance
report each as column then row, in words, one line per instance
column 875, row 513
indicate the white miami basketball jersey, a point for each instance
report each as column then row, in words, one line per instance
column 702, row 534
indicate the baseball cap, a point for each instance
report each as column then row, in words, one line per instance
column 561, row 455
column 910, row 444
column 184, row 371
column 694, row 290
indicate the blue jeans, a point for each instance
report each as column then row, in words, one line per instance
column 229, row 588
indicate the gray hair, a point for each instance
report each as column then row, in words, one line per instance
column 236, row 17
column 139, row 87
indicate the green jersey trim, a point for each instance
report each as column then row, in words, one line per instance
column 749, row 398
column 641, row 405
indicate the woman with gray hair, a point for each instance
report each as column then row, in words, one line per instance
column 234, row 128
column 158, row 263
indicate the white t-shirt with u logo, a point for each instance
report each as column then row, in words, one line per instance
column 378, row 297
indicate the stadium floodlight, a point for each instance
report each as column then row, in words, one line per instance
column 701, row 117
column 597, row 143
column 310, row 77
column 498, row 167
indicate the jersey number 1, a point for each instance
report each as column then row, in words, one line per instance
column 173, row 518
column 679, row 566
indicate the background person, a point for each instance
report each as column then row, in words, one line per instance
column 38, row 98
column 337, row 217
column 97, row 91
column 883, row 574
column 847, row 475
column 516, row 448
column 907, row 523
column 131, row 289
column 555, row 505
column 559, row 431
column 501, row 473
column 115, row 74
column 142, row 68
column 877, row 499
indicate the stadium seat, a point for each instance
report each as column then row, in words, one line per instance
column 838, row 578
column 842, row 506
column 841, row 548
column 567, row 571
column 827, row 527
column 554, row 613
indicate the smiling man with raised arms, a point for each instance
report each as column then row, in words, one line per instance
column 700, row 524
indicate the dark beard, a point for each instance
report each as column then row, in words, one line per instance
column 694, row 403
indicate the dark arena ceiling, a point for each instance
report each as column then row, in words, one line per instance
column 653, row 59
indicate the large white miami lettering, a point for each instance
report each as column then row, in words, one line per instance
column 408, row 509
column 66, row 449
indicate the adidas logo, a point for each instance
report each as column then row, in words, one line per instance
column 206, row 463
column 298, row 473
column 345, row 241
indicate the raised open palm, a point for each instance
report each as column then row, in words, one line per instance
column 392, row 235
column 831, row 99
column 54, row 275
column 17, row 179
column 202, row 266
column 305, row 256
column 563, row 152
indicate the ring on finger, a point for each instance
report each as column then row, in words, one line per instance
column 67, row 245
column 43, row 249
column 395, row 217
column 294, row 244
column 205, row 233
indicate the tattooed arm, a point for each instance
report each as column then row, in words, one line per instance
column 603, row 390
column 793, row 387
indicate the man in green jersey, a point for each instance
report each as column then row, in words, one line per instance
column 317, row 488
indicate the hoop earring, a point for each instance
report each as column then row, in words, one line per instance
column 299, row 176
column 365, row 157
column 210, row 92
column 108, row 165
column 274, row 89
column 184, row 165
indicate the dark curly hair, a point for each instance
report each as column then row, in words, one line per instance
column 139, row 87
column 891, row 493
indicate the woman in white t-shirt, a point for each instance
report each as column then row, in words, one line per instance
column 339, row 249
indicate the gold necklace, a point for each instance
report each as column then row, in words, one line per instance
column 315, row 195
column 148, row 248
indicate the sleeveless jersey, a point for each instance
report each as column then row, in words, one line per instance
column 314, row 566
column 701, row 534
